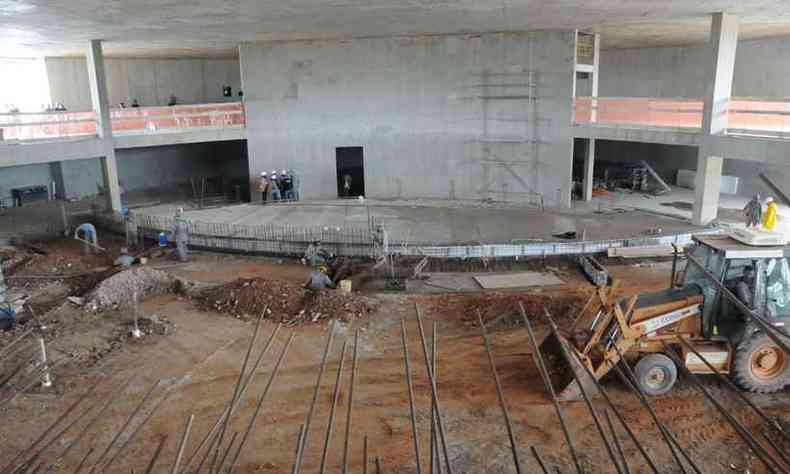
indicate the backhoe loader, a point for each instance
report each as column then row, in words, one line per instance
column 730, row 305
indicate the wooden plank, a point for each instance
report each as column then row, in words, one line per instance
column 517, row 280
column 641, row 252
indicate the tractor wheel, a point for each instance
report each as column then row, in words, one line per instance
column 656, row 374
column 760, row 365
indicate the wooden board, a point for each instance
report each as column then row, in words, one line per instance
column 517, row 280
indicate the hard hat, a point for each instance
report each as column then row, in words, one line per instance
column 284, row 172
column 769, row 199
column 322, row 269
column 263, row 173
column 274, row 171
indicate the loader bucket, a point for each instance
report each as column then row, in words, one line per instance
column 560, row 373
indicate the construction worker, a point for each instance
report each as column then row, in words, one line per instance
column 87, row 234
column 319, row 280
column 769, row 221
column 316, row 255
column 124, row 259
column 181, row 232
column 347, row 185
column 286, row 186
column 263, row 186
column 753, row 211
column 274, row 187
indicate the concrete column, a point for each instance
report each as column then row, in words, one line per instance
column 718, row 88
column 706, row 189
column 589, row 156
column 589, row 165
column 101, row 107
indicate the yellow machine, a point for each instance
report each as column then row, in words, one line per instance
column 731, row 307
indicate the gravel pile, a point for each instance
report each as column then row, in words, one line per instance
column 120, row 289
column 287, row 303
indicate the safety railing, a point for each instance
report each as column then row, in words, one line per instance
column 759, row 117
column 638, row 112
column 46, row 125
column 138, row 120
column 142, row 120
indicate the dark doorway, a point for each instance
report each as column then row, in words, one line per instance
column 350, row 171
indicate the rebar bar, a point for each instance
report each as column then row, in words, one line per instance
column 781, row 452
column 348, row 434
column 237, row 387
column 616, row 441
column 125, row 425
column 500, row 395
column 747, row 437
column 547, row 381
column 365, row 454
column 539, row 459
column 231, row 409
column 228, row 449
column 412, row 410
column 182, row 444
column 617, row 413
column 666, row 434
column 133, row 434
column 261, row 399
column 16, row 341
column 156, row 455
column 436, row 460
column 770, row 422
column 100, row 414
column 311, row 410
column 434, row 391
column 564, row 351
column 331, row 423
column 8, row 468
column 84, row 460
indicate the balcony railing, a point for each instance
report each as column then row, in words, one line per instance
column 746, row 116
column 638, row 112
column 759, row 117
column 46, row 125
column 139, row 120
column 143, row 120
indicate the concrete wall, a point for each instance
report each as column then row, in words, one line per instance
column 761, row 70
column 150, row 81
column 21, row 176
column 415, row 106
column 138, row 169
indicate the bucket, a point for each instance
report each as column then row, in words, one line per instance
column 345, row 286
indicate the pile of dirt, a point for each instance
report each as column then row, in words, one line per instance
column 120, row 290
column 502, row 309
column 286, row 302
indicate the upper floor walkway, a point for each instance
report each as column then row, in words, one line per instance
column 758, row 129
column 28, row 138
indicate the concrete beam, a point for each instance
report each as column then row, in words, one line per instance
column 101, row 107
column 635, row 134
column 32, row 153
column 180, row 137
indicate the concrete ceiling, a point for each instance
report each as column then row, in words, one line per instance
column 216, row 27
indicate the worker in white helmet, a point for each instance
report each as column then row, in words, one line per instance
column 274, row 186
column 263, row 186
column 286, row 186
column 295, row 183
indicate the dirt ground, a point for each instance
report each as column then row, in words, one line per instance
column 197, row 360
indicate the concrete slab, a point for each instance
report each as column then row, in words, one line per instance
column 517, row 280
column 435, row 222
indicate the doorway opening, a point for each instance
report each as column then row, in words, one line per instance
column 350, row 171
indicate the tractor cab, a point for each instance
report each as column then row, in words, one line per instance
column 758, row 276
